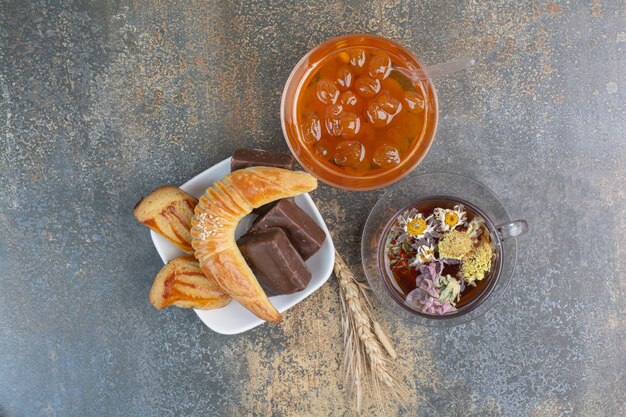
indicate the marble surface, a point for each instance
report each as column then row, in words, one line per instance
column 101, row 102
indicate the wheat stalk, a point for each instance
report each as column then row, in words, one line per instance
column 367, row 349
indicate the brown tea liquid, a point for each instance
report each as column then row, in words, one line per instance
column 405, row 277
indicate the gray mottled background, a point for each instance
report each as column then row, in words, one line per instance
column 102, row 101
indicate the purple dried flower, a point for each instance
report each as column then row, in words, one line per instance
column 431, row 270
column 426, row 296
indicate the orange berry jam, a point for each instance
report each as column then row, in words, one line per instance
column 358, row 121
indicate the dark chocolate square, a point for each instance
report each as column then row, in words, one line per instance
column 277, row 265
column 305, row 235
column 245, row 158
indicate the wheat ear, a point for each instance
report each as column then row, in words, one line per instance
column 367, row 349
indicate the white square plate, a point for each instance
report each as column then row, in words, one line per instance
column 234, row 318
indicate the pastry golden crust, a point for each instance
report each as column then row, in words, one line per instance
column 168, row 211
column 217, row 214
column 182, row 283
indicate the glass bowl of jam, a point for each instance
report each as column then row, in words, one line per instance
column 354, row 117
column 440, row 249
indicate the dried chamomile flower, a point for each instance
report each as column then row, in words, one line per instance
column 454, row 245
column 450, row 219
column 412, row 224
column 425, row 254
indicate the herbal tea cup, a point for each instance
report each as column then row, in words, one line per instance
column 432, row 190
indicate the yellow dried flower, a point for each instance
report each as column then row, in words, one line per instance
column 449, row 219
column 477, row 262
column 454, row 245
column 416, row 226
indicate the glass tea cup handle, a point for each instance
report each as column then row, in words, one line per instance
column 513, row 229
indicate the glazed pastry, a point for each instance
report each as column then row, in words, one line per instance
column 217, row 214
column 168, row 211
column 182, row 283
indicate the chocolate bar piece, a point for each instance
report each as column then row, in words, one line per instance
column 260, row 211
column 305, row 235
column 244, row 158
column 275, row 262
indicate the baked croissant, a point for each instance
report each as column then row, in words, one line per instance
column 216, row 216
column 182, row 283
